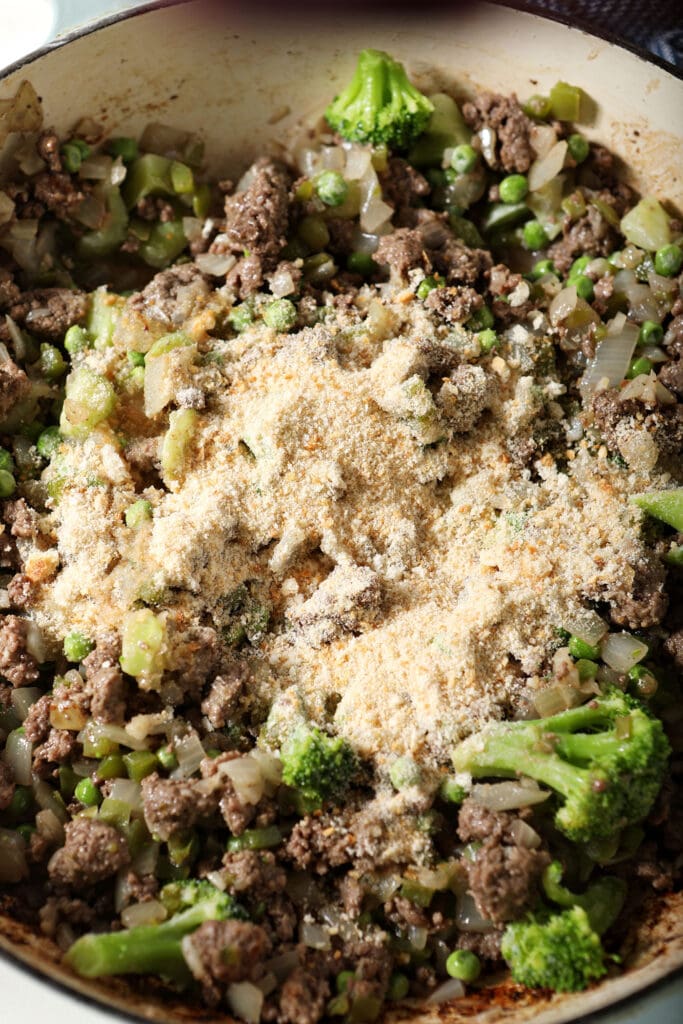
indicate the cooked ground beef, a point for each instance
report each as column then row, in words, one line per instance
column 172, row 296
column 673, row 646
column 591, row 234
column 14, row 385
column 222, row 699
column 304, row 994
column 404, row 188
column 21, row 519
column 318, row 844
column 37, row 721
column 17, row 664
column 6, row 786
column 92, row 852
column 108, row 691
column 512, row 127
column 173, row 804
column 454, row 305
column 49, row 312
column 254, row 872
column 464, row 396
column 222, row 952
column 58, row 748
column 402, row 250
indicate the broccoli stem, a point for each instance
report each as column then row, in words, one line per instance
column 602, row 901
column 148, row 949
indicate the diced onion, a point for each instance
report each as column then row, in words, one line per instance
column 647, row 388
column 190, row 753
column 282, row 284
column 271, row 768
column 6, row 208
column 245, row 1000
column 128, row 792
column 358, row 160
column 35, row 642
column 557, row 697
column 547, row 167
column 487, row 138
column 467, row 916
column 192, row 228
column 506, row 796
column 313, row 936
column 217, row 879
column 542, row 138
column 13, row 866
column 375, row 214
column 50, row 827
column 23, row 698
column 145, row 860
column 587, row 625
column 332, row 158
column 122, row 891
column 562, row 305
column 621, row 651
column 18, row 755
column 612, row 359
column 95, row 731
column 451, row 989
column 524, row 835
column 216, row 264
column 96, row 168
column 47, row 799
column 151, row 912
column 417, row 937
column 142, row 726
column 245, row 775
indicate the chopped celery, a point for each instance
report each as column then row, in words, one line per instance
column 148, row 175
column 90, row 398
column 143, row 643
column 182, row 178
column 114, row 812
column 664, row 505
column 181, row 427
column 166, row 241
column 140, row 763
column 109, row 237
column 201, row 201
column 167, row 343
column 647, row 225
column 504, row 215
column 255, row 839
column 104, row 308
column 565, row 101
column 445, row 129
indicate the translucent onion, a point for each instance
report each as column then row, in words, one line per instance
column 562, row 305
column 647, row 388
column 271, row 768
column 557, row 697
column 192, row 228
column 47, row 799
column 612, row 358
column 587, row 625
column 145, row 860
column 96, row 168
column 468, row 918
column 35, row 642
column 488, row 138
column 217, row 879
column 245, row 1000
column 417, row 937
column 451, row 989
column 375, row 214
column 246, row 777
column 507, row 796
column 314, row 936
column 282, row 284
column 23, row 698
column 621, row 651
column 122, row 891
column 128, row 792
column 332, row 158
column 142, row 726
column 190, row 753
column 215, row 264
column 6, row 208
column 542, row 138
column 95, row 731
column 13, row 866
column 91, row 212
column 358, row 160
column 50, row 827
column 524, row 835
column 19, row 756
column 151, row 912
column 547, row 167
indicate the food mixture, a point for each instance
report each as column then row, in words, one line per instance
column 341, row 528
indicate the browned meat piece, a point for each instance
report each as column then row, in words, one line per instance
column 349, row 600
column 401, row 251
column 281, row 918
column 641, row 603
column 49, row 312
column 351, row 893
column 459, row 264
column 259, row 874
column 256, row 223
column 6, row 786
column 404, row 912
column 303, row 996
column 9, row 291
column 17, row 665
column 57, row 749
column 319, row 844
column 502, row 280
column 58, row 193
column 591, row 234
column 236, row 814
column 673, row 338
column 222, row 952
column 614, row 418
column 92, row 852
column 105, row 655
column 504, row 876
column 673, row 646
column 9, row 556
column 604, row 290
column 341, row 236
column 403, row 187
column 172, row 296
column 454, row 305
column 372, row 965
column 37, row 721
column 465, row 395
column 141, row 888
column 14, row 384
column 195, row 657
column 512, row 127
column 48, row 149
column 63, row 908
column 671, row 376
column 108, row 690
column 20, row 518
column 20, row 590
column 220, row 703
column 246, row 277
column 485, row 944
column 172, row 804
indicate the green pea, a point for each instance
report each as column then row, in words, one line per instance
column 21, row 802
column 650, row 333
column 399, row 986
column 488, row 340
column 584, row 287
column 578, row 147
column 138, row 513
column 537, row 107
column 638, row 366
column 426, row 285
column 464, row 158
column 541, row 268
column 280, row 315
column 451, row 791
column 124, row 147
column 578, row 648
column 51, row 363
column 241, row 317
column 139, row 764
column 579, row 265
column 669, row 260
column 48, row 442
column 6, row 461
column 74, row 153
column 481, row 319
column 76, row 339
column 87, row 793
column 513, row 188
column 167, row 759
column 405, row 772
column 533, row 235
column 77, row 646
column 8, row 484
column 331, row 188
column 464, row 965
column 361, row 263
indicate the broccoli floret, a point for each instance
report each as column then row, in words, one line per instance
column 602, row 900
column 156, row 948
column 379, row 105
column 317, row 765
column 558, row 951
column 605, row 760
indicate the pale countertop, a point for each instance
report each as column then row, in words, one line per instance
column 27, row 25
